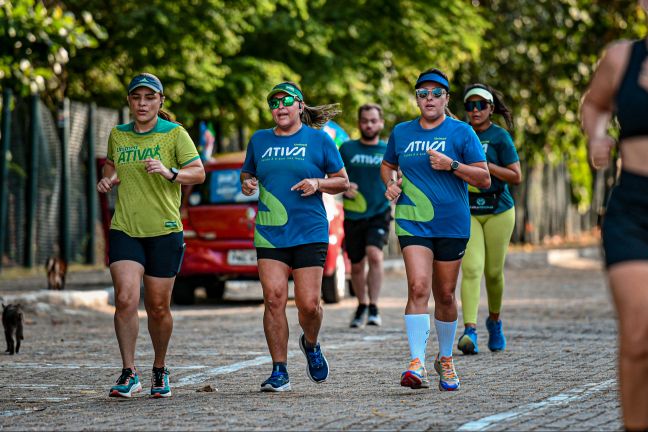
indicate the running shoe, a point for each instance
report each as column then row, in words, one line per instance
column 468, row 341
column 278, row 382
column 448, row 379
column 127, row 384
column 496, row 339
column 317, row 367
column 415, row 377
column 373, row 318
column 358, row 318
column 160, row 387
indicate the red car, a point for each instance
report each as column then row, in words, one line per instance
column 219, row 232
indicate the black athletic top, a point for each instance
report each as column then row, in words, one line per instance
column 632, row 99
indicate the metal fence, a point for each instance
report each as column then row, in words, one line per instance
column 35, row 181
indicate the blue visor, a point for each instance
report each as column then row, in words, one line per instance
column 434, row 77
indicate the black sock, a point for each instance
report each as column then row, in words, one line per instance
column 361, row 310
column 373, row 309
column 157, row 369
column 280, row 367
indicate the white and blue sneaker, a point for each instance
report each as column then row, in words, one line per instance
column 278, row 382
column 160, row 387
column 127, row 384
column 317, row 367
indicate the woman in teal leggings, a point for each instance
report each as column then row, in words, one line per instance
column 492, row 218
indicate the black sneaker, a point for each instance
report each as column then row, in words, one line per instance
column 358, row 319
column 373, row 318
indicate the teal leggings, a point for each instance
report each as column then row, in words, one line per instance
column 485, row 254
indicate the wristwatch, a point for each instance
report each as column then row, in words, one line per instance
column 454, row 165
column 175, row 172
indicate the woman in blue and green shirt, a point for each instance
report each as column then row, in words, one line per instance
column 291, row 165
column 438, row 157
column 492, row 218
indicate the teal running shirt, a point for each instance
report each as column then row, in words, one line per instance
column 362, row 163
column 500, row 150
column 285, row 218
column 433, row 203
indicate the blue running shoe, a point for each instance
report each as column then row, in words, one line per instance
column 127, row 384
column 468, row 341
column 496, row 339
column 278, row 382
column 317, row 367
column 160, row 387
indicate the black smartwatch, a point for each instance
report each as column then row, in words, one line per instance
column 454, row 166
column 175, row 172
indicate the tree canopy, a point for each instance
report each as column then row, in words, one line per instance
column 218, row 59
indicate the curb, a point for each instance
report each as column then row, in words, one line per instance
column 524, row 260
column 94, row 298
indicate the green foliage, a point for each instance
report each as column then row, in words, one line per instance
column 37, row 41
column 541, row 55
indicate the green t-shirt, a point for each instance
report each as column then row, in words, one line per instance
column 148, row 205
column 500, row 150
column 362, row 163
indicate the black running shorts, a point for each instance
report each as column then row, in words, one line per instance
column 296, row 257
column 160, row 256
column 443, row 248
column 360, row 233
column 625, row 227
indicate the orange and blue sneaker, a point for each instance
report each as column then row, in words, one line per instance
column 160, row 387
column 448, row 379
column 496, row 339
column 127, row 384
column 415, row 377
column 468, row 341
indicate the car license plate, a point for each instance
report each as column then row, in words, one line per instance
column 242, row 257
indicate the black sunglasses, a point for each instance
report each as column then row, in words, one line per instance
column 480, row 105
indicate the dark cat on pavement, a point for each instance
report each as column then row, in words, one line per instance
column 12, row 321
column 56, row 270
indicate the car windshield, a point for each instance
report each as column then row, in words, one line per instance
column 220, row 187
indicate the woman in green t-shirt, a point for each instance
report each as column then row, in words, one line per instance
column 149, row 159
column 492, row 217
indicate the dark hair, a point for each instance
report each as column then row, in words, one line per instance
column 368, row 107
column 499, row 107
column 437, row 71
column 317, row 116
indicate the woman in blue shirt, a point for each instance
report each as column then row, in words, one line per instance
column 291, row 165
column 437, row 156
column 492, row 218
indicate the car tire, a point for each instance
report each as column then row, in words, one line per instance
column 215, row 289
column 334, row 286
column 183, row 291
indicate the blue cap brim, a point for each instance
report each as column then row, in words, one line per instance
column 433, row 77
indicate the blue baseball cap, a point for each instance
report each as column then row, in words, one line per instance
column 146, row 80
column 434, row 77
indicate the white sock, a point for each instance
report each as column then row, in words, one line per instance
column 445, row 335
column 418, row 330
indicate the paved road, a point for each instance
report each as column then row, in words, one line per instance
column 558, row 372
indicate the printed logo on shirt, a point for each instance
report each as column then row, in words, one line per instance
column 296, row 152
column 418, row 148
column 367, row 160
column 135, row 154
column 485, row 145
column 170, row 224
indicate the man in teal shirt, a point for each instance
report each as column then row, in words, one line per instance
column 367, row 213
